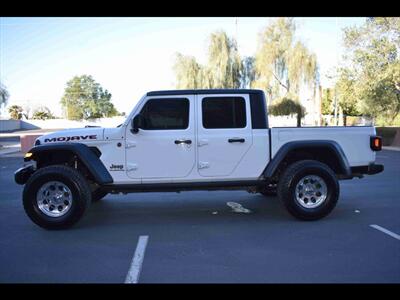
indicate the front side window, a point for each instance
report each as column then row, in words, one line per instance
column 223, row 112
column 166, row 114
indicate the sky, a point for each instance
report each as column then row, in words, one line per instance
column 131, row 56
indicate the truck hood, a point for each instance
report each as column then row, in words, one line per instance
column 81, row 135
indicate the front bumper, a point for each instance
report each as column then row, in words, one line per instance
column 22, row 175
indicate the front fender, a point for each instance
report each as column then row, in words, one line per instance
column 22, row 175
column 82, row 151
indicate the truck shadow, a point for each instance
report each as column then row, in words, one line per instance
column 185, row 208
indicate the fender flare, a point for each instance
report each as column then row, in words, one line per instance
column 290, row 146
column 83, row 152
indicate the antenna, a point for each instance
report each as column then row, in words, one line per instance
column 236, row 33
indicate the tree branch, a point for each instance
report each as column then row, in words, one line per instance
column 287, row 89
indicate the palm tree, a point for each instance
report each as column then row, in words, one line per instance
column 15, row 112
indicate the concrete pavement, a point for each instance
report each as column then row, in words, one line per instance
column 195, row 237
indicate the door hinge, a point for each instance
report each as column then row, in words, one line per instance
column 131, row 167
column 203, row 165
column 130, row 145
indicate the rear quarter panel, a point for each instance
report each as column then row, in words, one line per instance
column 353, row 140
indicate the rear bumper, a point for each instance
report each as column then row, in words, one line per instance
column 22, row 175
column 375, row 169
column 369, row 170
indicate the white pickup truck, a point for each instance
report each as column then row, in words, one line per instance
column 194, row 140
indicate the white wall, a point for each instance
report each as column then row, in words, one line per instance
column 64, row 124
column 9, row 125
column 282, row 121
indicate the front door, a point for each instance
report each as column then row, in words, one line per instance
column 224, row 133
column 164, row 147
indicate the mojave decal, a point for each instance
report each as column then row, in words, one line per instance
column 71, row 138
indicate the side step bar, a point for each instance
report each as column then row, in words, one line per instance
column 177, row 187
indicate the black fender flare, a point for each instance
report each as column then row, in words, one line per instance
column 83, row 152
column 344, row 166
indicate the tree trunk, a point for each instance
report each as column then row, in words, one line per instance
column 298, row 120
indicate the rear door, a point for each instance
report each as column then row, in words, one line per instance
column 224, row 133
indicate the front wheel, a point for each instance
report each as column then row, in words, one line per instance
column 309, row 189
column 56, row 197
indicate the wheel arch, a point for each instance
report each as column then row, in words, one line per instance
column 59, row 153
column 325, row 151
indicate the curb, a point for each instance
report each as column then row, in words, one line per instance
column 4, row 152
column 390, row 148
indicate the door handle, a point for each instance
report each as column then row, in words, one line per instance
column 236, row 140
column 183, row 142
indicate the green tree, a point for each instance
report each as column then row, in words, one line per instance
column 42, row 113
column 347, row 99
column 4, row 95
column 327, row 100
column 372, row 75
column 224, row 62
column 223, row 69
column 84, row 98
column 15, row 112
column 282, row 62
column 287, row 106
column 248, row 74
column 188, row 72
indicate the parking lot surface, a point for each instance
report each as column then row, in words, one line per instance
column 195, row 237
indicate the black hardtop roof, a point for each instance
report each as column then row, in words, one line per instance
column 204, row 92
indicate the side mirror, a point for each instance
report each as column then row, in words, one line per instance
column 137, row 123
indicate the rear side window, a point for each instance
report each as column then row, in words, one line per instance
column 166, row 114
column 223, row 112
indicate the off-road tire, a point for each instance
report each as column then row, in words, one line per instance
column 287, row 189
column 79, row 187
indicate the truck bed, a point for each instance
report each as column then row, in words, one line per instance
column 354, row 140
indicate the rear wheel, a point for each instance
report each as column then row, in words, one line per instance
column 309, row 189
column 56, row 197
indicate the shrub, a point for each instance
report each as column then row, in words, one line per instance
column 286, row 107
column 387, row 134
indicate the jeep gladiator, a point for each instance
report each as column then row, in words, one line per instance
column 183, row 140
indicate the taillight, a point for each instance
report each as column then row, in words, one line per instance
column 376, row 143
